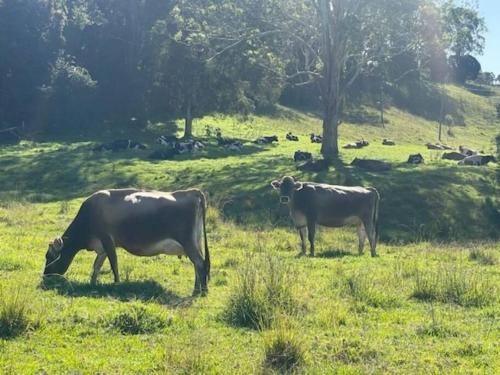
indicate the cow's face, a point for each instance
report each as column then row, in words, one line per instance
column 287, row 186
column 53, row 256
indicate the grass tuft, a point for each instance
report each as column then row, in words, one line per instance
column 487, row 258
column 263, row 290
column 284, row 351
column 365, row 288
column 15, row 316
column 137, row 319
column 453, row 284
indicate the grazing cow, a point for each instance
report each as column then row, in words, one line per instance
column 314, row 165
column 453, row 156
column 360, row 143
column 302, row 156
column 477, row 160
column 330, row 206
column 163, row 154
column 388, row 142
column 266, row 140
column 291, row 137
column 316, row 138
column 120, row 145
column 145, row 223
column 467, row 151
column 415, row 159
column 371, row 165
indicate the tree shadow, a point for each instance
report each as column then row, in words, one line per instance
column 147, row 290
column 479, row 89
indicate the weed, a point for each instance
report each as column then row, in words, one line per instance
column 136, row 319
column 15, row 315
column 284, row 351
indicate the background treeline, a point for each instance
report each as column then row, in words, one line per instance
column 72, row 63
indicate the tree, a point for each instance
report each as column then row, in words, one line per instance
column 486, row 78
column 465, row 68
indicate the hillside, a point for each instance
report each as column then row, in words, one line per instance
column 428, row 304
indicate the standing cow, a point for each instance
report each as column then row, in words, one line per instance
column 330, row 206
column 145, row 223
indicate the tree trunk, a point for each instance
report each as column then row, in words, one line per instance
column 188, row 124
column 330, row 147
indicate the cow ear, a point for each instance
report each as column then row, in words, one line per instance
column 298, row 185
column 275, row 184
column 57, row 244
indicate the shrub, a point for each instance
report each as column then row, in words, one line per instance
column 264, row 289
column 284, row 351
column 136, row 319
column 450, row 284
column 15, row 316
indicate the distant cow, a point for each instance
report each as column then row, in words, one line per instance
column 145, row 223
column 438, row 146
column 360, row 143
column 388, row 142
column 302, row 156
column 291, row 137
column 330, row 206
column 120, row 145
column 316, row 138
column 314, row 165
column 371, row 165
column 467, row 151
column 234, row 146
column 266, row 140
column 167, row 140
column 188, row 145
column 453, row 155
column 415, row 159
column 477, row 160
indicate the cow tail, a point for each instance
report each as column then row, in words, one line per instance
column 207, row 253
column 375, row 212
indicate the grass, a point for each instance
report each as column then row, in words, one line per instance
column 15, row 315
column 350, row 313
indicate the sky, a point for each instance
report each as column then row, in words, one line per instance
column 490, row 61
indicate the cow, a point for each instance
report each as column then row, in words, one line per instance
column 316, row 138
column 467, row 151
column 167, row 140
column 360, row 143
column 302, row 156
column 477, row 160
column 234, row 146
column 265, row 140
column 388, row 142
column 120, row 145
column 314, row 165
column 331, row 206
column 291, row 137
column 145, row 223
column 415, row 159
column 189, row 145
column 453, row 155
column 371, row 165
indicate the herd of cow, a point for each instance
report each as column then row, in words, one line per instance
column 149, row 223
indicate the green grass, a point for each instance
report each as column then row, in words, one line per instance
column 344, row 313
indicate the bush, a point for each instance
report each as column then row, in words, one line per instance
column 136, row 319
column 449, row 284
column 263, row 290
column 15, row 316
column 284, row 351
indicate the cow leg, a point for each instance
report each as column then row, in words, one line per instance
column 109, row 248
column 361, row 237
column 372, row 236
column 200, row 282
column 99, row 260
column 311, row 231
column 303, row 233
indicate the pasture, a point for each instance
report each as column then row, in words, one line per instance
column 428, row 304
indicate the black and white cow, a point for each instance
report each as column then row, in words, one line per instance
column 291, row 137
column 265, row 140
column 316, row 138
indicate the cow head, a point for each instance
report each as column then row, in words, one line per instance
column 287, row 186
column 58, row 257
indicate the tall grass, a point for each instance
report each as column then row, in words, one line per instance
column 454, row 284
column 264, row 289
column 137, row 319
column 15, row 315
column 284, row 350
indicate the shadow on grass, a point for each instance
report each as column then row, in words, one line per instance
column 147, row 290
column 334, row 253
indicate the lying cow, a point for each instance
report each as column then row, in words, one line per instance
column 467, row 151
column 388, row 142
column 189, row 145
column 291, row 137
column 302, row 156
column 145, row 223
column 167, row 140
column 266, row 140
column 314, row 165
column 438, row 146
column 236, row 146
column 330, row 206
column 316, row 138
column 360, row 143
column 415, row 159
column 120, row 145
column 453, row 155
column 371, row 165
column 477, row 160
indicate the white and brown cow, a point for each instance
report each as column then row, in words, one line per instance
column 145, row 223
column 330, row 206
